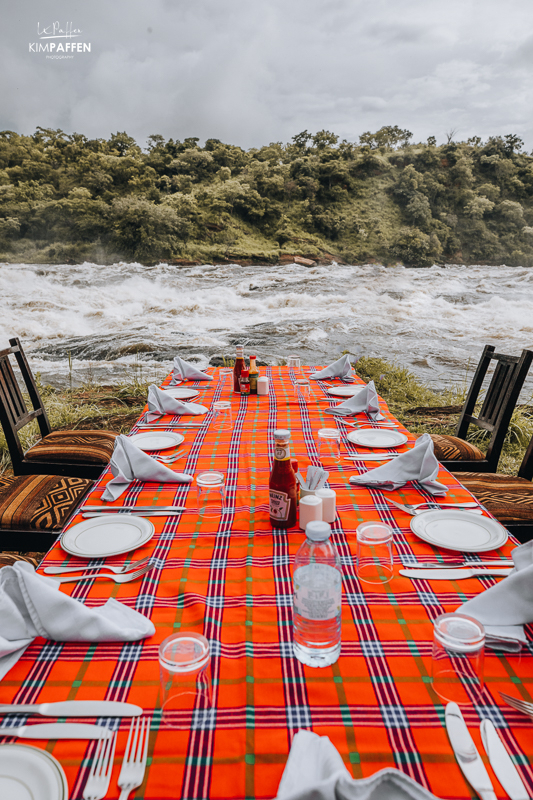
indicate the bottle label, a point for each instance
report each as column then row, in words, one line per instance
column 317, row 591
column 280, row 503
column 281, row 453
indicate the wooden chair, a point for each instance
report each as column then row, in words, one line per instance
column 35, row 508
column 454, row 452
column 82, row 454
column 508, row 498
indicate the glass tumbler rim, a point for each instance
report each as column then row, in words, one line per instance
column 221, row 405
column 210, row 478
column 364, row 537
column 195, row 662
column 329, row 433
column 452, row 641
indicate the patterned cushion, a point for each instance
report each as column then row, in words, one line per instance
column 509, row 499
column 39, row 502
column 8, row 559
column 80, row 447
column 451, row 448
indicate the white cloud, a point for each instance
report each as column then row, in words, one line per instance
column 250, row 73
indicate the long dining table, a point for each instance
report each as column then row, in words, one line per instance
column 230, row 578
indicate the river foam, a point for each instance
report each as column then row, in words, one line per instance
column 117, row 319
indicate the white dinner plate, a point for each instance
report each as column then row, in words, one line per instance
column 377, row 437
column 156, row 440
column 455, row 529
column 345, row 391
column 100, row 537
column 27, row 773
column 180, row 392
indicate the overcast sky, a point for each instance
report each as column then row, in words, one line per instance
column 254, row 71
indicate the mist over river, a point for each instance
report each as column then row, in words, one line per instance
column 113, row 320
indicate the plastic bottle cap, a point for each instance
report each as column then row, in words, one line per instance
column 245, row 373
column 318, row 531
column 282, row 434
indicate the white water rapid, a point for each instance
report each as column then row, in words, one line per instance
column 116, row 319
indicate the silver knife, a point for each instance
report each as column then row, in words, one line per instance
column 454, row 574
column 501, row 763
column 466, row 753
column 451, row 564
column 58, row 730
column 136, row 514
column 75, row 708
column 133, row 509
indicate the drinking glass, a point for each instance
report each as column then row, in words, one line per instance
column 210, row 493
column 457, row 673
column 302, row 389
column 226, row 374
column 184, row 669
column 329, row 444
column 222, row 416
column 294, row 362
column 374, row 552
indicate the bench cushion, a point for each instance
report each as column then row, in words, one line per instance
column 39, row 502
column 80, row 447
column 508, row 498
column 451, row 448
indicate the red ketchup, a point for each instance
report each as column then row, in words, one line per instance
column 282, row 484
column 238, row 368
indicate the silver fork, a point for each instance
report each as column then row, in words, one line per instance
column 117, row 570
column 413, row 509
column 170, row 459
column 129, row 576
column 100, row 774
column 134, row 764
column 520, row 705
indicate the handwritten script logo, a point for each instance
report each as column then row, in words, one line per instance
column 48, row 43
column 55, row 31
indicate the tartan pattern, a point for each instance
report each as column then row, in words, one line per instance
column 230, row 579
column 79, row 447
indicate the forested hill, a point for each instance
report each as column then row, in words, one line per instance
column 67, row 198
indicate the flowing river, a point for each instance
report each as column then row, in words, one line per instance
column 88, row 322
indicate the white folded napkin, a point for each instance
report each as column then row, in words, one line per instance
column 129, row 463
column 418, row 464
column 183, row 369
column 508, row 605
column 31, row 606
column 315, row 771
column 160, row 403
column 366, row 399
column 339, row 369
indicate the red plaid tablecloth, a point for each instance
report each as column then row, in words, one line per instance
column 230, row 579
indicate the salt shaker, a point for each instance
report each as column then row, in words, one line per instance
column 262, row 385
column 329, row 504
column 310, row 510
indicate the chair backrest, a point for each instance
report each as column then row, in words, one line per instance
column 526, row 467
column 500, row 399
column 14, row 413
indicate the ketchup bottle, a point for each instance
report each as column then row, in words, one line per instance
column 282, row 484
column 238, row 368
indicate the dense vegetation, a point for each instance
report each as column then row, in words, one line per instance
column 68, row 198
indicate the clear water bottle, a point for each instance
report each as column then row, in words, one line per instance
column 317, row 598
